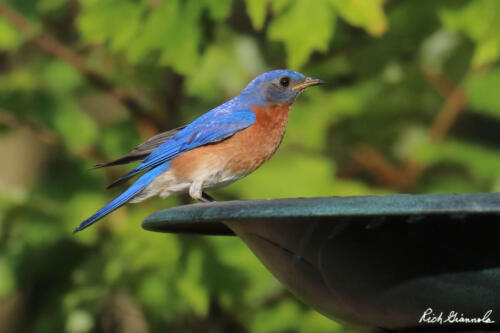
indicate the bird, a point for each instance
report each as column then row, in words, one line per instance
column 221, row 146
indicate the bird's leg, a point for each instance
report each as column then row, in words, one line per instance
column 206, row 198
column 196, row 192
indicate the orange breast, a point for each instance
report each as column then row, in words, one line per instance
column 240, row 154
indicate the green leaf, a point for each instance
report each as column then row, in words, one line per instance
column 280, row 318
column 79, row 207
column 306, row 26
column 312, row 321
column 218, row 9
column 141, row 251
column 368, row 14
column 482, row 162
column 60, row 77
column 153, row 291
column 75, row 127
column 169, row 30
column 257, row 10
column 79, row 321
column 45, row 6
column 233, row 253
column 310, row 119
column 190, row 287
column 172, row 29
column 437, row 49
column 109, row 20
column 226, row 67
column 480, row 21
column 279, row 5
column 482, row 92
column 155, row 31
column 181, row 50
column 218, row 71
column 8, row 280
column 19, row 79
column 10, row 39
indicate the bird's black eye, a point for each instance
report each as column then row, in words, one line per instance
column 285, row 81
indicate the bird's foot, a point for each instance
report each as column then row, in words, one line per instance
column 196, row 192
column 206, row 198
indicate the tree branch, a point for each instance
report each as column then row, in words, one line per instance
column 404, row 177
column 454, row 104
column 51, row 138
column 46, row 136
column 148, row 123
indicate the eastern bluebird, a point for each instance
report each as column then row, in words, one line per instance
column 221, row 146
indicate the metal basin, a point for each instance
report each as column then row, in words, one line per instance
column 373, row 261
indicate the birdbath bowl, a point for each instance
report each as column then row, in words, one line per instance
column 372, row 261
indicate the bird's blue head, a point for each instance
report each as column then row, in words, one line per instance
column 277, row 87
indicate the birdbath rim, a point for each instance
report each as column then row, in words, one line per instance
column 207, row 218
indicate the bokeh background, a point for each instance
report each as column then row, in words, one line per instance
column 412, row 105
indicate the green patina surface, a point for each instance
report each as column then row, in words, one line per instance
column 205, row 218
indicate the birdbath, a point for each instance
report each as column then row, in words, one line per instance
column 391, row 262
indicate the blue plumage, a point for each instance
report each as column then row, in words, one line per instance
column 212, row 126
column 126, row 196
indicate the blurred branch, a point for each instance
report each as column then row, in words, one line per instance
column 452, row 107
column 403, row 178
column 50, row 138
column 148, row 124
column 10, row 121
column 122, row 314
column 11, row 312
column 440, row 82
column 399, row 178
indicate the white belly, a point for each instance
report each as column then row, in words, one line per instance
column 167, row 184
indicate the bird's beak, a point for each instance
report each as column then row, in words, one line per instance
column 308, row 82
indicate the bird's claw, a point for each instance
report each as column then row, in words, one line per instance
column 206, row 198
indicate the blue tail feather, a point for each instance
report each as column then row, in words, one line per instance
column 126, row 196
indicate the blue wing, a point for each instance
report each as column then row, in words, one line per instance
column 215, row 125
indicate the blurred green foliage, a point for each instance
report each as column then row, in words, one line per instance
column 412, row 105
